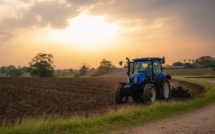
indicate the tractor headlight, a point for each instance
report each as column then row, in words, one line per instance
column 136, row 80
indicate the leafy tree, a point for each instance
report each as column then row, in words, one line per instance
column 104, row 68
column 205, row 61
column 3, row 69
column 188, row 65
column 14, row 73
column 25, row 69
column 42, row 65
column 70, row 71
column 177, row 63
column 11, row 67
column 83, row 70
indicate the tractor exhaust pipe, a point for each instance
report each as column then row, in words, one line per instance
column 129, row 66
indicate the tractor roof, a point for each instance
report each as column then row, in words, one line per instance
column 148, row 59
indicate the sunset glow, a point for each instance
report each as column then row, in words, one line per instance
column 77, row 32
column 86, row 33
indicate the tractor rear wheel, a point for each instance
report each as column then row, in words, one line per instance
column 165, row 91
column 149, row 93
column 119, row 97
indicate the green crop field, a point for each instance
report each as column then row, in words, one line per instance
column 190, row 72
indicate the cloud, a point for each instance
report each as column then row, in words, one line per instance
column 23, row 14
column 84, row 2
column 5, row 36
column 196, row 17
column 26, row 14
column 54, row 14
column 193, row 18
column 50, row 12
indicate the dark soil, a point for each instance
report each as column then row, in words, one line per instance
column 192, row 88
column 62, row 97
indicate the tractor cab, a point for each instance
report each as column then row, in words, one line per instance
column 141, row 69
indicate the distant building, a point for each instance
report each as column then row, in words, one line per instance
column 175, row 67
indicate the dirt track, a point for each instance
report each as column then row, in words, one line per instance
column 29, row 97
column 201, row 121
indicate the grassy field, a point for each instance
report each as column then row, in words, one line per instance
column 125, row 116
column 191, row 72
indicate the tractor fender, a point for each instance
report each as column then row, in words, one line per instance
column 168, row 76
column 161, row 78
column 160, row 81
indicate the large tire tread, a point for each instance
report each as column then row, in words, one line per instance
column 147, row 99
column 119, row 98
column 166, row 94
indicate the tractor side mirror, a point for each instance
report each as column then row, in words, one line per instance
column 120, row 63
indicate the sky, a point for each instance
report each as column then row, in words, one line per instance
column 78, row 32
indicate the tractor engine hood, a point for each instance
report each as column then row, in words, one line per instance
column 137, row 78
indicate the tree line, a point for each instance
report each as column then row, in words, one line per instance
column 42, row 65
column 201, row 62
column 11, row 70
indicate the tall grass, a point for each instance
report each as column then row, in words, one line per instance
column 125, row 116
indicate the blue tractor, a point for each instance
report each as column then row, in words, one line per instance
column 146, row 81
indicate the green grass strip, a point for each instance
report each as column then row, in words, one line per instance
column 126, row 116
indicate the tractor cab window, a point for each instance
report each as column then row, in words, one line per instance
column 141, row 66
column 149, row 68
column 157, row 68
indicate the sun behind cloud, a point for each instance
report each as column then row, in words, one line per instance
column 86, row 32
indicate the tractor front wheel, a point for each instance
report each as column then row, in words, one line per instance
column 119, row 97
column 166, row 89
column 149, row 93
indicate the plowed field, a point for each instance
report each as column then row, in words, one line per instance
column 29, row 97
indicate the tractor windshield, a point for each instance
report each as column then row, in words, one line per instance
column 142, row 66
